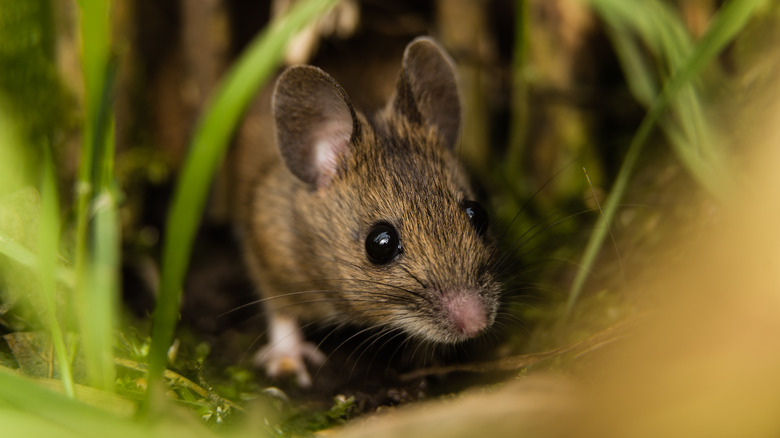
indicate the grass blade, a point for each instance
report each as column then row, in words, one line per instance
column 519, row 127
column 48, row 244
column 28, row 407
column 97, row 225
column 99, row 304
column 733, row 16
column 208, row 146
column 95, row 39
column 23, row 256
column 99, row 308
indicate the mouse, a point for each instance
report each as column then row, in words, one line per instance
column 363, row 219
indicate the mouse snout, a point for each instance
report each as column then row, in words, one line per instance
column 466, row 312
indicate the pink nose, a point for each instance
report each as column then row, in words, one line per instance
column 465, row 311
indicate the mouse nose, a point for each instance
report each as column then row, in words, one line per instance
column 466, row 312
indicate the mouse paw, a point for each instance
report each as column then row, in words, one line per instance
column 285, row 353
column 288, row 359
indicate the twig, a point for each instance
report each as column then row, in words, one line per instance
column 596, row 341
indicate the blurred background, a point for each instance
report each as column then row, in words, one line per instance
column 598, row 133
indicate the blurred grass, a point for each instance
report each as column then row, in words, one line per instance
column 27, row 70
column 48, row 244
column 94, row 293
column 29, row 106
column 97, row 226
column 209, row 143
column 28, row 408
column 686, row 129
column 518, row 130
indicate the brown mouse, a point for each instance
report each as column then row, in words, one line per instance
column 363, row 219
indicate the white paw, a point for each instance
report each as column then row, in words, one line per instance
column 281, row 362
column 286, row 353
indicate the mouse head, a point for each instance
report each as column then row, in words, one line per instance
column 394, row 225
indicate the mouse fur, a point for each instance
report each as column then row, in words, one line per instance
column 316, row 176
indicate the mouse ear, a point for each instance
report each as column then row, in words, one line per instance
column 427, row 91
column 315, row 123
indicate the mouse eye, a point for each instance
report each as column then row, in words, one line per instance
column 477, row 215
column 382, row 244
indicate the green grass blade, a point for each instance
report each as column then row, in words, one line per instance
column 28, row 407
column 732, row 17
column 707, row 162
column 95, row 37
column 15, row 177
column 99, row 303
column 639, row 74
column 48, row 244
column 18, row 253
column 97, row 224
column 519, row 127
column 13, row 250
column 208, row 146
column 655, row 22
column 99, row 308
column 27, row 395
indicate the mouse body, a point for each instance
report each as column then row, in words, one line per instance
column 363, row 220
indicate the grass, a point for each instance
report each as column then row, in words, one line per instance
column 97, row 241
column 699, row 155
column 96, row 245
column 73, row 278
column 208, row 146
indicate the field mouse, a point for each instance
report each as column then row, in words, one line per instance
column 364, row 220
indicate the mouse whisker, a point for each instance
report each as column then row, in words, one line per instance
column 378, row 292
column 371, row 343
column 371, row 340
column 375, row 282
column 414, row 277
column 407, row 340
column 404, row 268
column 551, row 221
column 338, row 294
column 353, row 336
column 266, row 299
column 387, row 285
column 533, row 196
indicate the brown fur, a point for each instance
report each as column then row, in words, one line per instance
column 304, row 232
